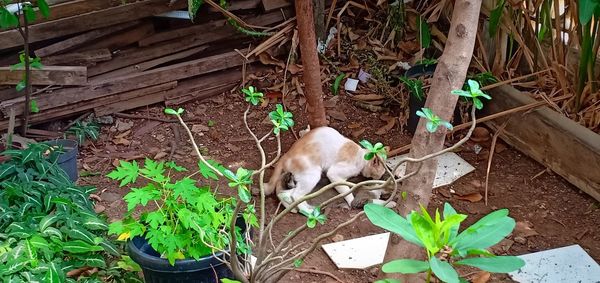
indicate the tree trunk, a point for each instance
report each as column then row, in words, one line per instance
column 310, row 63
column 450, row 74
column 26, row 110
column 319, row 14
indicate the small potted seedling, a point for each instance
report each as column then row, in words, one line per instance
column 183, row 232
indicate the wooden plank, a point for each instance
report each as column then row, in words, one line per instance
column 84, row 58
column 122, row 39
column 90, row 21
column 74, row 8
column 238, row 5
column 73, row 42
column 195, row 30
column 269, row 5
column 49, row 75
column 557, row 142
column 133, row 103
column 76, row 108
column 137, row 55
column 160, row 75
column 144, row 66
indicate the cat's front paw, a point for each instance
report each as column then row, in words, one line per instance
column 359, row 202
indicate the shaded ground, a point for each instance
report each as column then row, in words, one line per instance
column 558, row 213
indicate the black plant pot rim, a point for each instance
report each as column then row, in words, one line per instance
column 156, row 263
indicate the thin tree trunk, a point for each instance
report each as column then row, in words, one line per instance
column 25, row 35
column 319, row 14
column 450, row 74
column 310, row 64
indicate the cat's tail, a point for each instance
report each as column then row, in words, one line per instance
column 274, row 183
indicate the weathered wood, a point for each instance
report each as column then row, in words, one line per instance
column 557, row 142
column 90, row 21
column 195, row 30
column 137, row 55
column 79, row 40
column 133, row 103
column 84, row 58
column 203, row 86
column 74, row 8
column 153, row 77
column 80, row 107
column 125, row 38
column 141, row 67
column 49, row 75
column 269, row 5
column 239, row 5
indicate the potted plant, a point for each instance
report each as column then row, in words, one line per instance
column 183, row 233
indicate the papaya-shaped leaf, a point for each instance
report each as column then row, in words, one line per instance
column 498, row 264
column 405, row 266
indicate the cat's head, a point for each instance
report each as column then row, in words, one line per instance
column 375, row 168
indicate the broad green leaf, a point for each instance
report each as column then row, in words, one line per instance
column 424, row 230
column 29, row 13
column 405, row 266
column 486, row 232
column 335, row 87
column 495, row 17
column 498, row 264
column 49, row 220
column 109, row 247
column 54, row 274
column 448, row 212
column 79, row 246
column 44, row 8
column 244, row 194
column 21, row 85
column 79, row 233
column 586, row 10
column 7, row 19
column 387, row 219
column 443, row 270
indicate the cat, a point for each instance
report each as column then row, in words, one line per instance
column 320, row 150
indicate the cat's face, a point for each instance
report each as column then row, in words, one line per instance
column 374, row 169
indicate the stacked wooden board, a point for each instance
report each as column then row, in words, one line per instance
column 106, row 56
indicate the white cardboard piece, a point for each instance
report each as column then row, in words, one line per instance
column 450, row 168
column 359, row 253
column 566, row 264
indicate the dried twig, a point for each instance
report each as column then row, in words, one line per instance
column 316, row 271
column 489, row 164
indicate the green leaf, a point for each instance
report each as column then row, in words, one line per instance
column 193, row 6
column 443, row 270
column 207, row 172
column 244, row 194
column 44, row 8
column 54, row 274
column 21, row 85
column 7, row 19
column 498, row 264
column 486, row 232
column 79, row 246
column 33, row 107
column 495, row 17
column 155, row 219
column 127, row 172
column 175, row 167
column 225, row 280
column 449, row 212
column 49, row 220
column 424, row 33
column 586, row 10
column 405, row 266
column 29, row 13
column 387, row 219
column 298, row 262
column 335, row 87
column 170, row 111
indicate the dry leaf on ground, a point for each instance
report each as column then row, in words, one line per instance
column 390, row 125
column 473, row 197
column 481, row 277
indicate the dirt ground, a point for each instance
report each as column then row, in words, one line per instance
column 550, row 212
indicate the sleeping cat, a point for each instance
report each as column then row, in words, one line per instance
column 320, row 150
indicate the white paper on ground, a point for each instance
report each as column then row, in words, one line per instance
column 359, row 253
column 450, row 168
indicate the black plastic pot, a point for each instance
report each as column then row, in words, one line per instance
column 68, row 160
column 414, row 103
column 158, row 270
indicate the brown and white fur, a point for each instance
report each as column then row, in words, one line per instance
column 320, row 150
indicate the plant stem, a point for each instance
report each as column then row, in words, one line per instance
column 428, row 276
column 25, row 34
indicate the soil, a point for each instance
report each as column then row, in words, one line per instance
column 550, row 212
